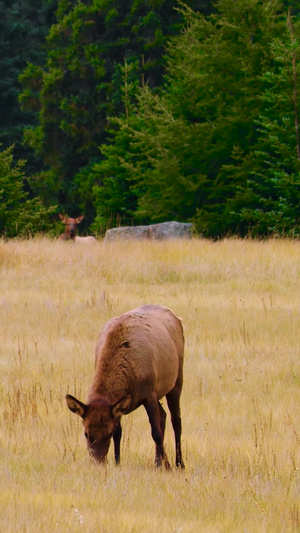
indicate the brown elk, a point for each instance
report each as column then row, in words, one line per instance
column 70, row 230
column 139, row 359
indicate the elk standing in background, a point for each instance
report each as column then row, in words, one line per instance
column 139, row 359
column 70, row 230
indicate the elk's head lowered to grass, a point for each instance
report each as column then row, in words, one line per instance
column 100, row 420
column 139, row 359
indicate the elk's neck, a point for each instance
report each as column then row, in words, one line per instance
column 113, row 379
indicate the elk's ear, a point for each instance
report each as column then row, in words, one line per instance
column 79, row 219
column 62, row 217
column 121, row 406
column 76, row 406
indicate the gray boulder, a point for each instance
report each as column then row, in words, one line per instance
column 164, row 230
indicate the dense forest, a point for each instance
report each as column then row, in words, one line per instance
column 141, row 111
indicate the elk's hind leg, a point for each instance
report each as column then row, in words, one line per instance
column 163, row 417
column 173, row 399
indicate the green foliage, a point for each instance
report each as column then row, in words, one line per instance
column 269, row 201
column 219, row 93
column 185, row 151
column 113, row 198
column 23, row 28
column 18, row 214
column 208, row 133
column 79, row 87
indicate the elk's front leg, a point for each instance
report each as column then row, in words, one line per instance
column 152, row 407
column 117, row 434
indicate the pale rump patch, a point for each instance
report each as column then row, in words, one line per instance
column 86, row 240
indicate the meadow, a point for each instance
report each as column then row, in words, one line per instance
column 240, row 306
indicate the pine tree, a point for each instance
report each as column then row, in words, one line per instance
column 79, row 88
column 186, row 144
column 18, row 214
column 23, row 28
column 270, row 199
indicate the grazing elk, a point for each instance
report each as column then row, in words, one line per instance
column 70, row 230
column 139, row 359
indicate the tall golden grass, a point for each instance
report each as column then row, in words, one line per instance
column 240, row 306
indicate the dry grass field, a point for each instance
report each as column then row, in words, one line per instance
column 240, row 306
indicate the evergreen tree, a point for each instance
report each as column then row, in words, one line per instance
column 18, row 214
column 80, row 86
column 180, row 145
column 114, row 200
column 269, row 201
column 23, row 27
